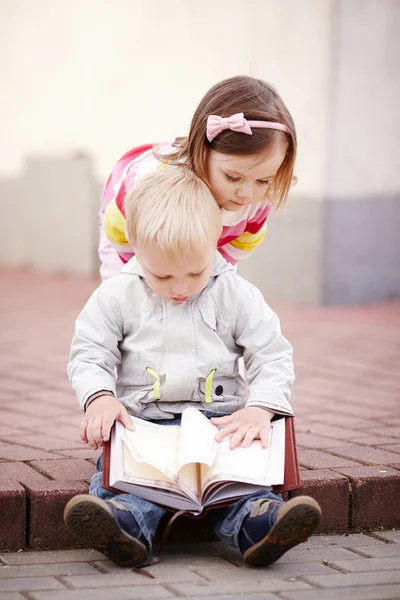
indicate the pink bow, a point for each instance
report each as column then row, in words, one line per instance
column 216, row 124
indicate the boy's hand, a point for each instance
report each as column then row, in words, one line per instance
column 245, row 425
column 99, row 418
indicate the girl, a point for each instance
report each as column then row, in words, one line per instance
column 242, row 144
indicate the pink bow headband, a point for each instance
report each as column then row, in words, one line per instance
column 216, row 124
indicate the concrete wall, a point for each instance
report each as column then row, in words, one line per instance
column 95, row 77
column 361, row 259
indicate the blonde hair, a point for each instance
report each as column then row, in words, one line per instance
column 259, row 101
column 173, row 209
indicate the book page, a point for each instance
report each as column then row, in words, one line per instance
column 156, row 445
column 143, row 473
column 254, row 464
column 197, row 441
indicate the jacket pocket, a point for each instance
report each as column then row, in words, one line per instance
column 217, row 389
column 220, row 324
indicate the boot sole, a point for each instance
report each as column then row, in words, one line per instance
column 90, row 521
column 297, row 520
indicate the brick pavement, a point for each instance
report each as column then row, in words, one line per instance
column 349, row 567
column 346, row 400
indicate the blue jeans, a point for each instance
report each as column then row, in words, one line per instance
column 227, row 521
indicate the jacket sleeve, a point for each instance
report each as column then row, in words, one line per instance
column 268, row 356
column 95, row 349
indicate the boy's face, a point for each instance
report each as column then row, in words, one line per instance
column 177, row 280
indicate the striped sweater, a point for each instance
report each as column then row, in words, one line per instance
column 242, row 231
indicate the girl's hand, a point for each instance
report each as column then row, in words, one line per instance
column 245, row 425
column 99, row 418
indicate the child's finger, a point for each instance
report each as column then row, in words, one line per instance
column 97, row 430
column 222, row 420
column 264, row 436
column 250, row 436
column 126, row 420
column 225, row 431
column 90, row 436
column 238, row 437
column 108, row 422
column 82, row 430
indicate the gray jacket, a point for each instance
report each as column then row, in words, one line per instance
column 159, row 357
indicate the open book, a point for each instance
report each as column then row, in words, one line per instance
column 184, row 468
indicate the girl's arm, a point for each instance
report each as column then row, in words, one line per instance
column 115, row 230
column 242, row 246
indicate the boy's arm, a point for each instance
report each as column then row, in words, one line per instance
column 268, row 361
column 95, row 347
column 267, row 354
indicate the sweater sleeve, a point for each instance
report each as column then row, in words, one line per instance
column 241, row 246
column 121, row 179
column 115, row 230
column 268, row 356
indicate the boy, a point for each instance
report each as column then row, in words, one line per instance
column 165, row 334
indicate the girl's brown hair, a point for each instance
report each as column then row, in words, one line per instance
column 259, row 102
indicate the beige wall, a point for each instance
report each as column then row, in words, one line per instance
column 102, row 76
column 105, row 75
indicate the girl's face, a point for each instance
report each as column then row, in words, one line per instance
column 236, row 181
column 177, row 280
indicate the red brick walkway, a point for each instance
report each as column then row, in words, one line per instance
column 346, row 400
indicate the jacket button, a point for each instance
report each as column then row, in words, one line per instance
column 219, row 390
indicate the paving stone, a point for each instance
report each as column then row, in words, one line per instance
column 39, row 557
column 391, row 447
column 161, row 572
column 119, row 593
column 44, row 442
column 45, row 570
column 109, row 580
column 318, row 459
column 375, row 497
column 27, row 423
column 12, row 596
column 241, row 596
column 47, row 500
column 371, row 456
column 357, row 579
column 17, row 452
column 207, row 588
column 84, row 453
column 393, row 536
column 376, row 592
column 303, row 554
column 385, row 550
column 364, row 565
column 331, row 491
column 29, row 584
column 12, row 515
column 243, row 573
column 309, row 440
column 351, row 540
column 72, row 469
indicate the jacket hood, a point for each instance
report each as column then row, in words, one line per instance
column 220, row 265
